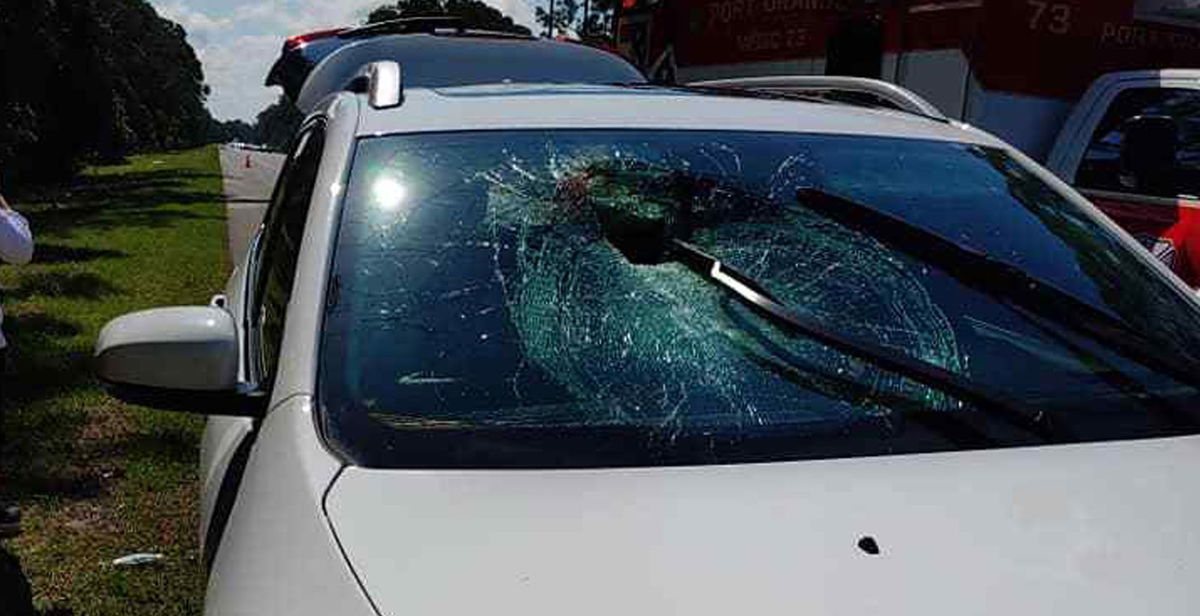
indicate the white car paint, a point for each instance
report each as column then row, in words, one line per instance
column 129, row 340
column 1102, row 528
column 1099, row 529
column 278, row 555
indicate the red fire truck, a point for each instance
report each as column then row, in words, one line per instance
column 1078, row 84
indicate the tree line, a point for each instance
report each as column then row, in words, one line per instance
column 91, row 81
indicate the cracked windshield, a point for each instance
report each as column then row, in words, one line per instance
column 516, row 298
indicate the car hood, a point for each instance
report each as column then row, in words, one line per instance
column 1092, row 529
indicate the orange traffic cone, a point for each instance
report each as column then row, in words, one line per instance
column 247, row 161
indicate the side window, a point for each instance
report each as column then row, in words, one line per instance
column 283, row 228
column 1148, row 144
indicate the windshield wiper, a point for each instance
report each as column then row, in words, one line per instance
column 997, row 279
column 647, row 240
column 926, row 373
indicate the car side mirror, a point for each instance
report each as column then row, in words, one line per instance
column 180, row 359
column 1149, row 154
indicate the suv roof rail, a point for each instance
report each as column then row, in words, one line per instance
column 383, row 83
column 897, row 96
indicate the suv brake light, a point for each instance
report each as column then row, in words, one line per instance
column 299, row 40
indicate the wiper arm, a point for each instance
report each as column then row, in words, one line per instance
column 926, row 373
column 996, row 278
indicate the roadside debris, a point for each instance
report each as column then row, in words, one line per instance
column 137, row 559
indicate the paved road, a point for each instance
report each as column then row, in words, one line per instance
column 247, row 189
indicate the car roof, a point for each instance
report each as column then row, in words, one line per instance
column 553, row 106
column 432, row 60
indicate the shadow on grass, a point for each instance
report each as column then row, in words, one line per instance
column 131, row 199
column 135, row 178
column 47, row 379
column 48, row 253
column 15, row 596
column 134, row 213
column 108, row 186
column 38, row 325
column 75, row 285
column 44, row 359
column 172, row 446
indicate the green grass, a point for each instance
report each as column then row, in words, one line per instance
column 96, row 478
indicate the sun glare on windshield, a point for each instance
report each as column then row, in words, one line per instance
column 388, row 193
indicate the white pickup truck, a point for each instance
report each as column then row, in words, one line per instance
column 1131, row 144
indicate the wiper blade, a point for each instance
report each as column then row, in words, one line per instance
column 926, row 373
column 996, row 278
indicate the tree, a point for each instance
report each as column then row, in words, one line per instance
column 474, row 13
column 589, row 20
column 93, row 80
column 565, row 17
column 275, row 125
column 31, row 135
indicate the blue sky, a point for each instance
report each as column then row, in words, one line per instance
column 237, row 41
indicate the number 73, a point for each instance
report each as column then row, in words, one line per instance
column 1052, row 16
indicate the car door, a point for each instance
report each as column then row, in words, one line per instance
column 271, row 270
column 1152, row 192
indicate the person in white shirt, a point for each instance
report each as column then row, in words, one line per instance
column 16, row 247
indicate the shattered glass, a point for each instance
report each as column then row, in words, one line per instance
column 479, row 285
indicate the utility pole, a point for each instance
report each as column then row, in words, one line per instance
column 550, row 25
column 587, row 4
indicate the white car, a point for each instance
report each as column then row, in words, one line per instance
column 607, row 350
